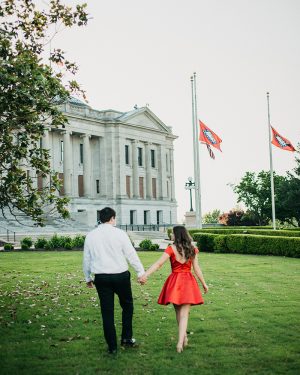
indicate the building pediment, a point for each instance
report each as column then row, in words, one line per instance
column 145, row 118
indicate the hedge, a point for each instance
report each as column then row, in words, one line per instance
column 249, row 244
column 263, row 245
column 226, row 227
column 280, row 233
column 205, row 241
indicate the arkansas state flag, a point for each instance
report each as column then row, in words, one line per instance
column 281, row 142
column 209, row 137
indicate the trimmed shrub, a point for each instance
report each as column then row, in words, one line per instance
column 249, row 244
column 220, row 245
column 54, row 242
column 40, row 243
column 267, row 232
column 169, row 232
column 78, row 241
column 225, row 227
column 8, row 246
column 205, row 241
column 26, row 243
column 264, row 245
column 145, row 244
column 154, row 247
column 67, row 242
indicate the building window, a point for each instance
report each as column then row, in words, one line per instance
column 80, row 185
column 146, row 217
column 141, row 186
column 167, row 188
column 153, row 158
column 159, row 217
column 132, row 217
column 154, row 188
column 81, row 153
column 127, row 154
column 61, row 150
column 140, row 157
column 97, row 186
column 128, row 186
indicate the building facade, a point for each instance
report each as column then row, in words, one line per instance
column 116, row 159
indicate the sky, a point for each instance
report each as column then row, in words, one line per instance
column 144, row 52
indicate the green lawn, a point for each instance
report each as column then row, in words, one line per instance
column 51, row 324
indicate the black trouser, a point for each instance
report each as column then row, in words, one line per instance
column 107, row 285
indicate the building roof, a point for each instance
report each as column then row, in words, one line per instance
column 141, row 117
column 76, row 101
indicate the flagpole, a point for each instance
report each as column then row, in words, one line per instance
column 271, row 166
column 194, row 149
column 197, row 160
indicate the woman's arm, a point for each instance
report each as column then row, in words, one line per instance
column 155, row 266
column 199, row 273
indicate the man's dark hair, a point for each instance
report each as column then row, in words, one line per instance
column 106, row 214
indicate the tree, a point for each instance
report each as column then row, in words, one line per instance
column 289, row 195
column 254, row 191
column 232, row 218
column 30, row 91
column 211, row 217
column 237, row 217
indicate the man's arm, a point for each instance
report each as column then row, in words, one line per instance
column 87, row 263
column 131, row 255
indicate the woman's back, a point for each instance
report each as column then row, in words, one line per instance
column 178, row 262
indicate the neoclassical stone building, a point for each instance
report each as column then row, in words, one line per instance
column 111, row 158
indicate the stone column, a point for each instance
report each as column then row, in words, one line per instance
column 122, row 170
column 67, row 163
column 135, row 172
column 148, row 170
column 172, row 174
column 86, row 165
column 110, row 161
column 46, row 146
column 103, row 162
column 162, row 180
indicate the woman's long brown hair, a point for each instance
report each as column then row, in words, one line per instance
column 183, row 242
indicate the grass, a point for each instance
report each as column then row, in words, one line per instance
column 51, row 324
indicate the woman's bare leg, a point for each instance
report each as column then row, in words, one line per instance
column 183, row 322
column 177, row 311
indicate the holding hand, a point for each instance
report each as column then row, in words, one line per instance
column 205, row 287
column 90, row 284
column 142, row 279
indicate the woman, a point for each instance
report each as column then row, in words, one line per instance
column 181, row 288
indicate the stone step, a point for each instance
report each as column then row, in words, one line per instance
column 139, row 236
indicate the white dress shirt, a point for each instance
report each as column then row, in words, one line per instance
column 106, row 249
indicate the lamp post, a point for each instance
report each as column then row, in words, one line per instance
column 189, row 186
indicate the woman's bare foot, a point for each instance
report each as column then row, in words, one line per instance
column 179, row 348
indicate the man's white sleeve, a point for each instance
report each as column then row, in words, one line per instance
column 87, row 261
column 131, row 255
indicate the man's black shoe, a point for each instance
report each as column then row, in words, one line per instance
column 112, row 351
column 131, row 343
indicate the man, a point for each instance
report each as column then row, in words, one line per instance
column 106, row 249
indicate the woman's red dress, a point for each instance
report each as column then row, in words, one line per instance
column 181, row 286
